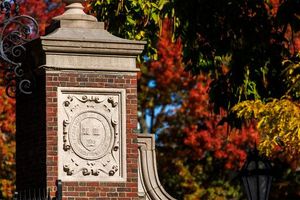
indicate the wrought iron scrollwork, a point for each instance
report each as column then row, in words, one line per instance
column 16, row 31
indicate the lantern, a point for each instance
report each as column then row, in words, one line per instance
column 256, row 176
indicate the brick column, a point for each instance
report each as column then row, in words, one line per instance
column 79, row 125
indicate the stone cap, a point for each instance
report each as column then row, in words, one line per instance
column 94, row 40
column 78, row 36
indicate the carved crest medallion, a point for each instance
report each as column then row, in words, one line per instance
column 91, row 133
column 91, row 136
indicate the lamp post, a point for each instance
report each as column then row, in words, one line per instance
column 256, row 176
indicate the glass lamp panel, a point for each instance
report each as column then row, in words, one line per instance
column 269, row 186
column 251, row 166
column 263, row 183
column 246, row 187
column 252, row 188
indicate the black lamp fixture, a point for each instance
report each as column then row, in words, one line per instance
column 256, row 176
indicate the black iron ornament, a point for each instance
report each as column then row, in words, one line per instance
column 256, row 176
column 16, row 31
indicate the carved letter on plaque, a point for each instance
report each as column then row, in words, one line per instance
column 91, row 137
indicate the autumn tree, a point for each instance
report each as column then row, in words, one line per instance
column 200, row 152
column 42, row 10
column 240, row 45
column 197, row 152
column 249, row 40
column 256, row 43
column 7, row 144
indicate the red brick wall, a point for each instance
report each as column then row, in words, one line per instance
column 91, row 190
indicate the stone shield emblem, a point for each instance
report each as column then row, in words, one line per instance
column 92, row 133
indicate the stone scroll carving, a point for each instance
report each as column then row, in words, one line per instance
column 149, row 187
column 91, row 135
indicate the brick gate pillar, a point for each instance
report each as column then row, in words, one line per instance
column 79, row 124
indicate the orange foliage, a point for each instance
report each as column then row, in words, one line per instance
column 202, row 130
column 169, row 68
column 197, row 148
column 274, row 6
column 7, row 144
column 38, row 10
column 211, row 134
column 293, row 37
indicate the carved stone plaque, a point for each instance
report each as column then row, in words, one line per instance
column 91, row 134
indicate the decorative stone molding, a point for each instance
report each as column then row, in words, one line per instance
column 91, row 134
column 149, row 186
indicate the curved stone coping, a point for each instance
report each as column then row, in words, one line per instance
column 149, row 186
